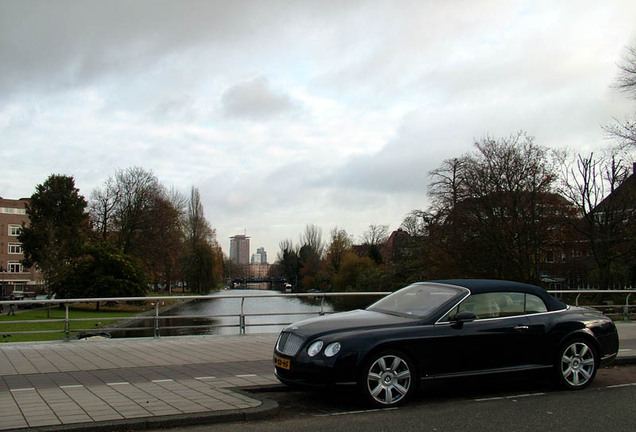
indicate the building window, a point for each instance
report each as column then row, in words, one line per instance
column 15, row 230
column 11, row 210
column 14, row 267
column 15, row 248
column 549, row 257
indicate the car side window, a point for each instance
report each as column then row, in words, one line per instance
column 510, row 304
column 534, row 304
column 491, row 305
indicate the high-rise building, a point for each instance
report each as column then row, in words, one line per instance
column 240, row 249
column 260, row 257
column 13, row 275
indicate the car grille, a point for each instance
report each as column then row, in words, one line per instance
column 289, row 344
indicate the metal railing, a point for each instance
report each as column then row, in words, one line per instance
column 243, row 318
column 602, row 307
column 157, row 318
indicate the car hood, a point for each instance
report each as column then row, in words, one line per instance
column 346, row 321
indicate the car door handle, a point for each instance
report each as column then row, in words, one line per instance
column 521, row 327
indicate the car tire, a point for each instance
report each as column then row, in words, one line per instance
column 575, row 364
column 388, row 379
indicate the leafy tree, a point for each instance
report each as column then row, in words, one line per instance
column 357, row 274
column 199, row 268
column 56, row 232
column 103, row 271
column 339, row 245
column 309, row 258
column 287, row 264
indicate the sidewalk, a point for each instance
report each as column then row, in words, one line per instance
column 143, row 383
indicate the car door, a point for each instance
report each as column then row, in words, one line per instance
column 499, row 338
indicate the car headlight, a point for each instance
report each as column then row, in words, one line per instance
column 332, row 349
column 314, row 348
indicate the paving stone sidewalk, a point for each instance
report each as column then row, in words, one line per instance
column 106, row 384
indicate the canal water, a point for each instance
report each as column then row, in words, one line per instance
column 200, row 317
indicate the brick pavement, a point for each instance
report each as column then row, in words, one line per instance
column 142, row 383
column 132, row 382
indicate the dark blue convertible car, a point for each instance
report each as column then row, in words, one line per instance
column 447, row 328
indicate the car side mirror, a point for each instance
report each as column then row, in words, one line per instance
column 464, row 317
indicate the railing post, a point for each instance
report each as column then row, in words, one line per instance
column 627, row 307
column 67, row 326
column 322, row 305
column 156, row 332
column 242, row 317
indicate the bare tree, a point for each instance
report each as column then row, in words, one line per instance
column 198, row 228
column 202, row 263
column 624, row 131
column 627, row 79
column 496, row 211
column 448, row 185
column 375, row 235
column 102, row 207
column 592, row 184
column 312, row 238
column 134, row 212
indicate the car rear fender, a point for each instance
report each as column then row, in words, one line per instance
column 587, row 335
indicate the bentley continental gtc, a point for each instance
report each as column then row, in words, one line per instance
column 450, row 328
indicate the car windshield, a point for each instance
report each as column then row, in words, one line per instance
column 418, row 300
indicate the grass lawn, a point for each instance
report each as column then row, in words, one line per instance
column 38, row 318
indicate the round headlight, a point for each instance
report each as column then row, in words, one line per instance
column 314, row 348
column 332, row 349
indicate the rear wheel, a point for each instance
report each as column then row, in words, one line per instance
column 575, row 365
column 388, row 379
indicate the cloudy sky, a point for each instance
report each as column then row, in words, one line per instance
column 288, row 113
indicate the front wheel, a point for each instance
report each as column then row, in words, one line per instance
column 575, row 365
column 388, row 379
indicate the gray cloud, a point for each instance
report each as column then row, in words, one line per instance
column 255, row 99
column 287, row 113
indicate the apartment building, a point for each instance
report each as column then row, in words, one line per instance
column 13, row 275
column 240, row 249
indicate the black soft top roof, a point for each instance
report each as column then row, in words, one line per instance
column 478, row 286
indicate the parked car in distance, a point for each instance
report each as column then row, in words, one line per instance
column 449, row 328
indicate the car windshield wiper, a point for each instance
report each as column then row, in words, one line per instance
column 395, row 313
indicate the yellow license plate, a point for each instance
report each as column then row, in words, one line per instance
column 281, row 362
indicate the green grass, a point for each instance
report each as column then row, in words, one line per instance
column 37, row 317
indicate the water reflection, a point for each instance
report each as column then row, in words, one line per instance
column 200, row 313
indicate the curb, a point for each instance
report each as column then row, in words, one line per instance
column 625, row 361
column 265, row 410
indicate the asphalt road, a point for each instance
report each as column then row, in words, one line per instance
column 510, row 404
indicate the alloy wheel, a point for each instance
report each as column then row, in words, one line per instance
column 389, row 380
column 577, row 365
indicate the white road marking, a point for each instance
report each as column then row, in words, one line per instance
column 353, row 412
